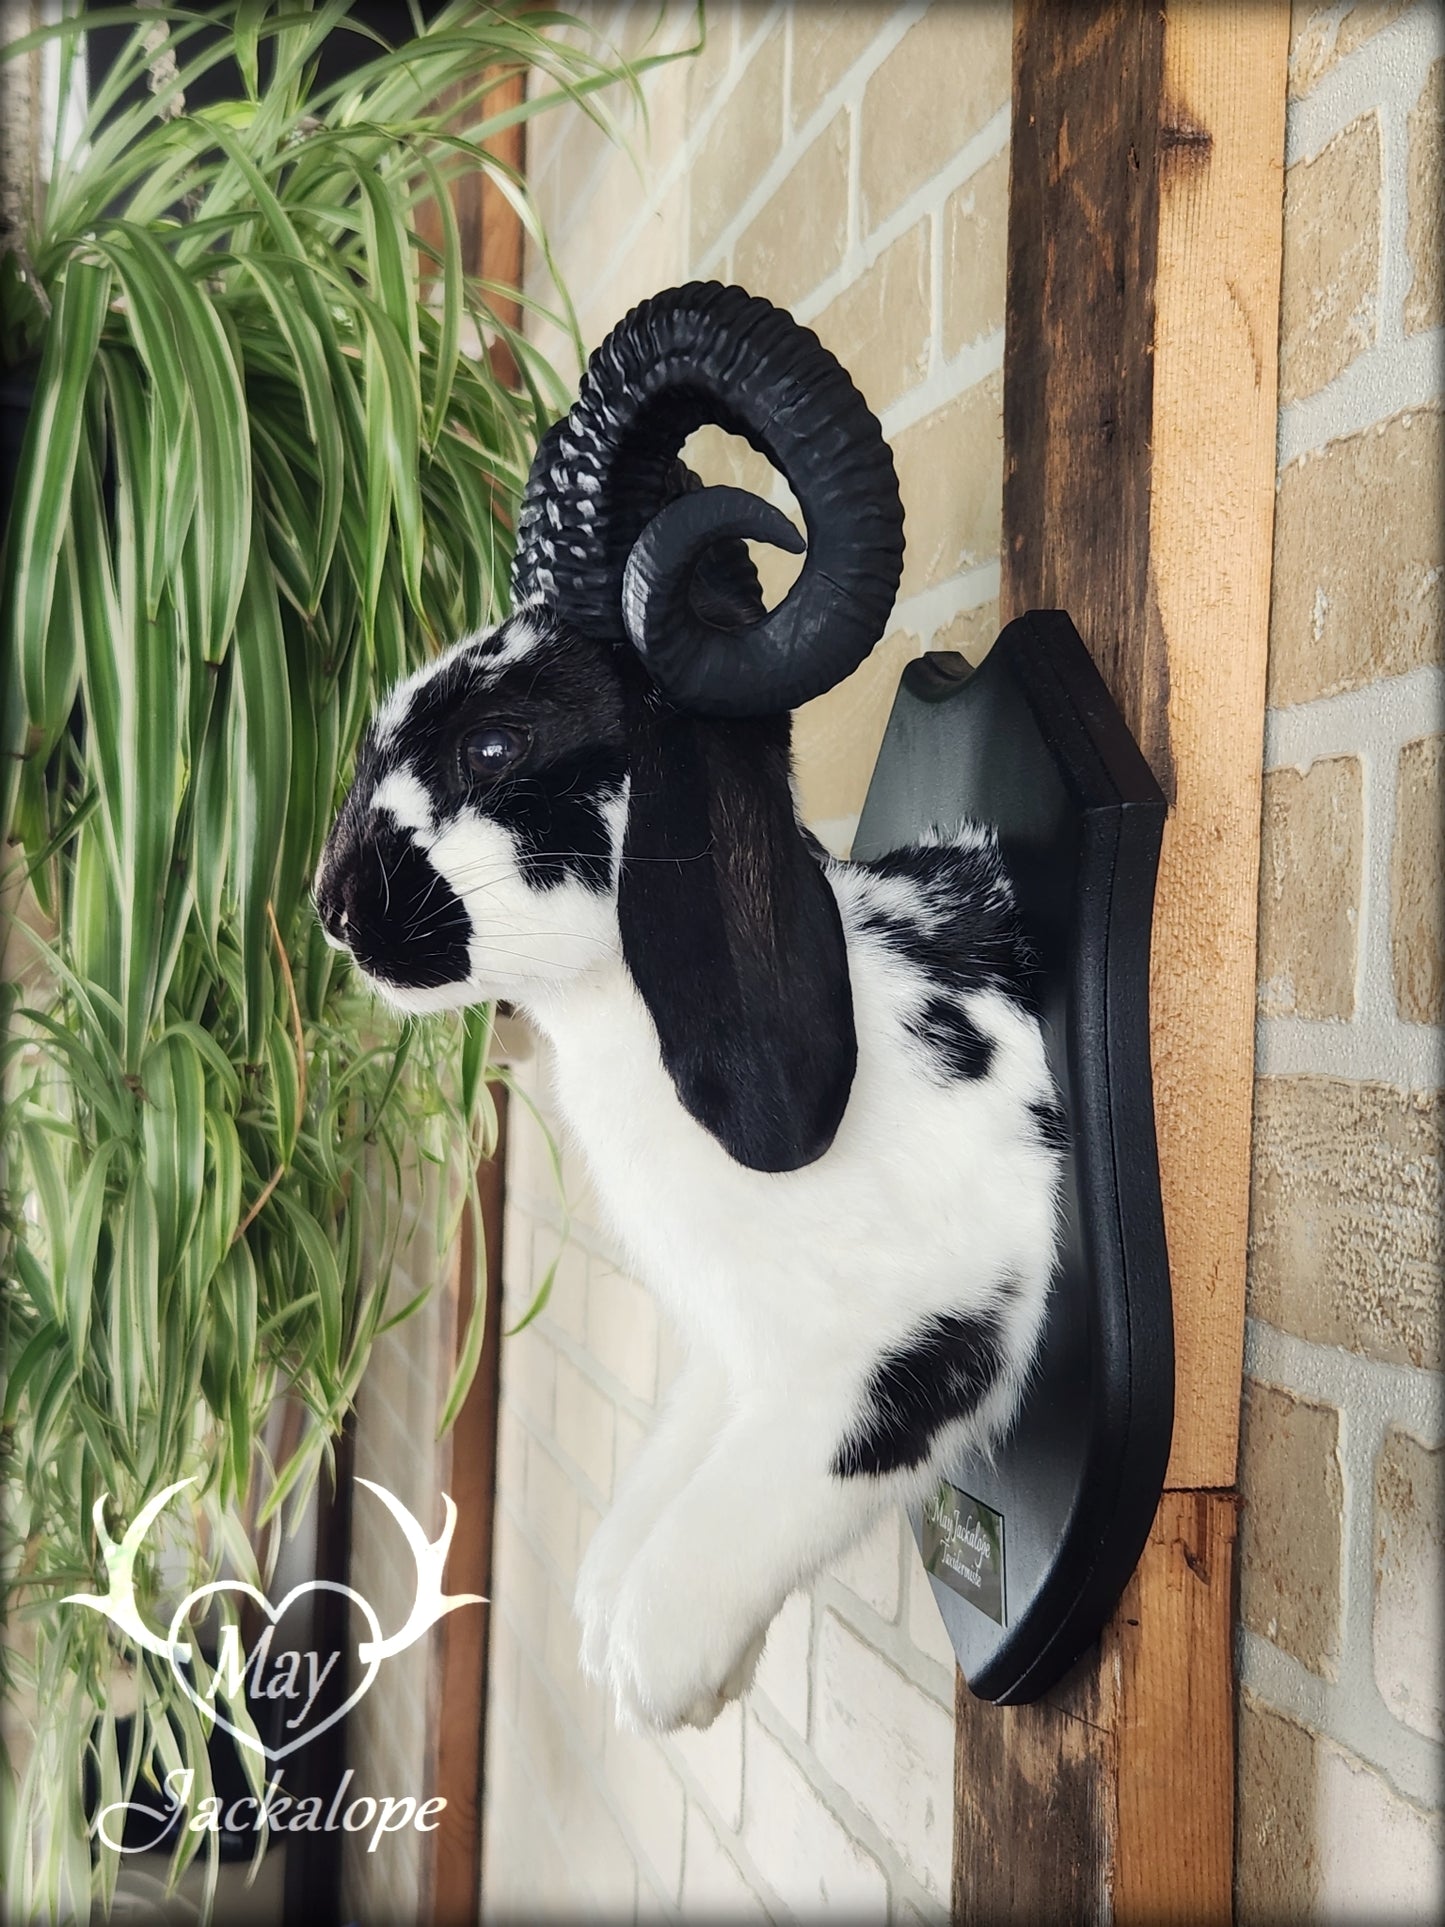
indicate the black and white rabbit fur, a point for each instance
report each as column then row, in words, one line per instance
column 812, row 1095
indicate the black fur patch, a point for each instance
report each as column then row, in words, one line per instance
column 964, row 936
column 404, row 924
column 956, row 1044
column 944, row 1372
column 556, row 816
column 1053, row 1126
column 567, row 695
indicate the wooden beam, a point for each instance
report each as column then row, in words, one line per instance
column 1146, row 193
column 458, row 1773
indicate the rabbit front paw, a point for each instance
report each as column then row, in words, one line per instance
column 677, row 1653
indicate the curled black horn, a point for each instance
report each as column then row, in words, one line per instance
column 607, row 535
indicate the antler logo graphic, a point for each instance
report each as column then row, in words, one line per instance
column 289, row 1675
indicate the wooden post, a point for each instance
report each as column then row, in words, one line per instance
column 458, row 1773
column 1146, row 190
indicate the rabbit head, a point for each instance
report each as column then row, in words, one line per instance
column 605, row 778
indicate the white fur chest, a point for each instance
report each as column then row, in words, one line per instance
column 928, row 1195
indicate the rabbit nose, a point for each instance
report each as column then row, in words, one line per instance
column 331, row 907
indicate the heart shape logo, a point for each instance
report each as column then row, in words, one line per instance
column 233, row 1675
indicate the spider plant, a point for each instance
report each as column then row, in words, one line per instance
column 261, row 479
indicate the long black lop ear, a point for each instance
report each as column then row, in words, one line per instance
column 729, row 927
column 733, row 937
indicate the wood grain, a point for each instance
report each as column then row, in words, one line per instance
column 459, row 1766
column 1111, row 1800
column 1146, row 191
column 1211, row 530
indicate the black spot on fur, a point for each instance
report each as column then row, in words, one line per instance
column 961, row 934
column 965, row 933
column 555, row 812
column 944, row 1372
column 956, row 1044
column 1053, row 1126
column 567, row 695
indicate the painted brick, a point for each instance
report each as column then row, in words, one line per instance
column 1289, row 1475
column 551, row 1757
column 798, row 237
column 1275, row 1876
column 671, row 1354
column 925, row 1622
column 529, row 1374
column 650, row 1799
column 950, row 469
column 516, row 1255
column 630, row 1435
column 782, row 1675
column 567, row 1300
column 1357, row 561
column 880, row 326
column 827, row 41
column 798, row 1845
column 737, row 151
column 942, row 83
column 1330, row 291
column 890, row 1746
column 1425, row 302
column 585, row 1702
column 972, row 632
column 552, row 1509
column 1417, row 873
column 622, row 1329
column 1409, row 1624
column 519, row 1579
column 1381, row 1857
column 1311, row 874
column 708, row 73
column 836, row 736
column 712, row 1886
column 713, row 1760
column 585, row 1426
column 601, row 1854
column 1321, row 37
column 511, row 1451
column 975, row 256
column 870, row 1569
column 1345, row 1237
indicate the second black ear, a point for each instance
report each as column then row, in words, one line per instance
column 734, row 940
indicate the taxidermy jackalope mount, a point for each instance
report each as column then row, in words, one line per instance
column 812, row 1094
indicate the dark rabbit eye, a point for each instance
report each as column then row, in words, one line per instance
column 490, row 751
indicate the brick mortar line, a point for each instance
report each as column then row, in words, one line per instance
column 1363, row 1429
column 889, row 1639
column 1389, row 1051
column 539, row 1804
column 1410, row 1764
column 864, row 1831
column 678, row 167
column 584, row 1360
column 1381, row 382
column 1406, row 1395
column 1384, row 714
column 1377, row 72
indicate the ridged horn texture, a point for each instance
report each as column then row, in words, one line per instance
column 606, row 536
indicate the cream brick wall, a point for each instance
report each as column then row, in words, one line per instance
column 1340, row 1644
column 778, row 158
